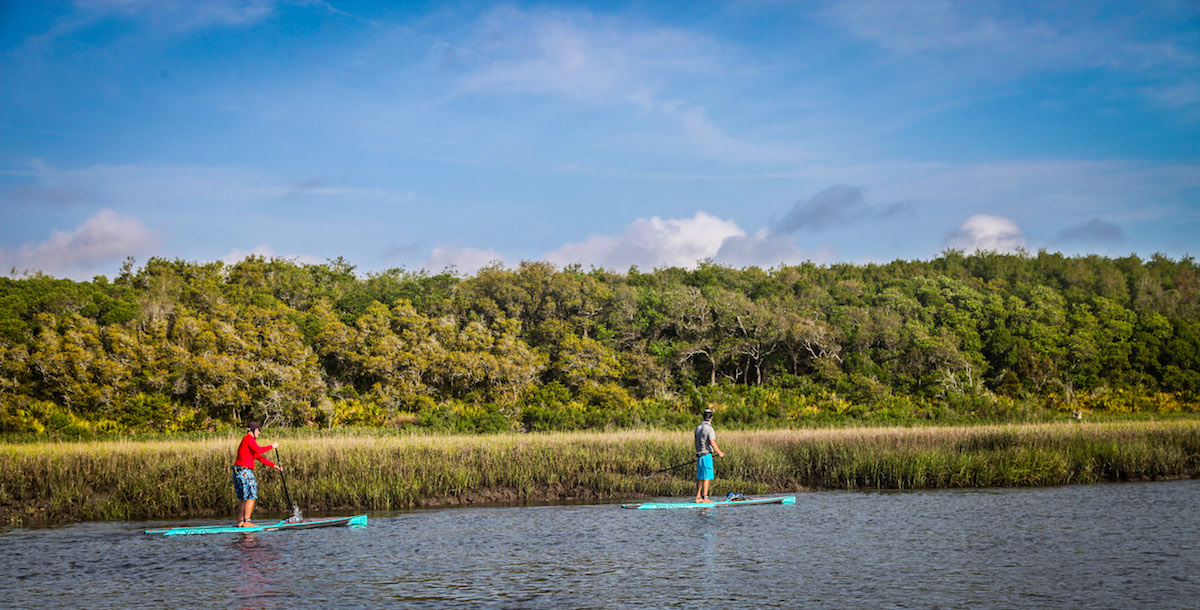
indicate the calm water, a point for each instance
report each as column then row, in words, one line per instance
column 1101, row 546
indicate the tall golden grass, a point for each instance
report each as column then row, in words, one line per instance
column 123, row 479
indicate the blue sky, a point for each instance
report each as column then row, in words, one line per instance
column 608, row 134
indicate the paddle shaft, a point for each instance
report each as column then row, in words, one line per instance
column 282, row 476
column 693, row 461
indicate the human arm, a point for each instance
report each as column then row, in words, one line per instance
column 258, row 452
column 716, row 448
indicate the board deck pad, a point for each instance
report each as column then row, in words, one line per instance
column 722, row 503
column 355, row 521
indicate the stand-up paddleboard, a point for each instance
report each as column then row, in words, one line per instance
column 287, row 524
column 722, row 503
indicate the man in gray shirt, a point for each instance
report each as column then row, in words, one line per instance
column 706, row 444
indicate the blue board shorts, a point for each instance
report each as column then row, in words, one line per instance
column 245, row 486
column 704, row 468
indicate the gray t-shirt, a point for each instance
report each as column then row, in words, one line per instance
column 705, row 435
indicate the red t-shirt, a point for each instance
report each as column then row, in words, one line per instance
column 249, row 451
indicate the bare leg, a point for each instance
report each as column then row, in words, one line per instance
column 246, row 519
column 699, row 490
column 241, row 511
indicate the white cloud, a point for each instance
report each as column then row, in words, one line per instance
column 236, row 255
column 989, row 233
column 464, row 261
column 763, row 249
column 102, row 239
column 680, row 242
column 652, row 242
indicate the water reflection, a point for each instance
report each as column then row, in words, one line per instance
column 257, row 574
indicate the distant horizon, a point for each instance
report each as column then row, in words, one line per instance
column 608, row 134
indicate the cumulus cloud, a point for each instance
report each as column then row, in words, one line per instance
column 989, row 233
column 763, row 249
column 102, row 239
column 465, row 261
column 680, row 242
column 652, row 242
column 1094, row 231
column 236, row 255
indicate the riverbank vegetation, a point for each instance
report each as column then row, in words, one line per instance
column 367, row 470
column 180, row 346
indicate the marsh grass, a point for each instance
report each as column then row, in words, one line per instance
column 57, row 482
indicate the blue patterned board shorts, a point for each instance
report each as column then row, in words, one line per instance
column 704, row 468
column 244, row 483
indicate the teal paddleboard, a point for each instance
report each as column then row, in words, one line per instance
column 303, row 524
column 721, row 504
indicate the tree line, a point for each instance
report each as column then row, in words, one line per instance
column 179, row 345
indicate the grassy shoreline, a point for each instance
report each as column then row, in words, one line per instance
column 122, row 479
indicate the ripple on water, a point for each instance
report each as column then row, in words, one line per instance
column 1111, row 545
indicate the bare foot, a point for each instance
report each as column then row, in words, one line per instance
column 246, row 524
column 702, row 500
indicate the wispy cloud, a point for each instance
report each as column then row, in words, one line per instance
column 581, row 56
column 836, row 205
column 1096, row 231
column 1015, row 38
column 175, row 15
column 833, row 205
column 949, row 42
column 154, row 186
column 585, row 58
column 320, row 187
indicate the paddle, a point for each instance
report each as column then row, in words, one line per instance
column 296, row 517
column 693, row 461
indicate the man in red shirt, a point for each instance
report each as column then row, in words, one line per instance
column 245, row 486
